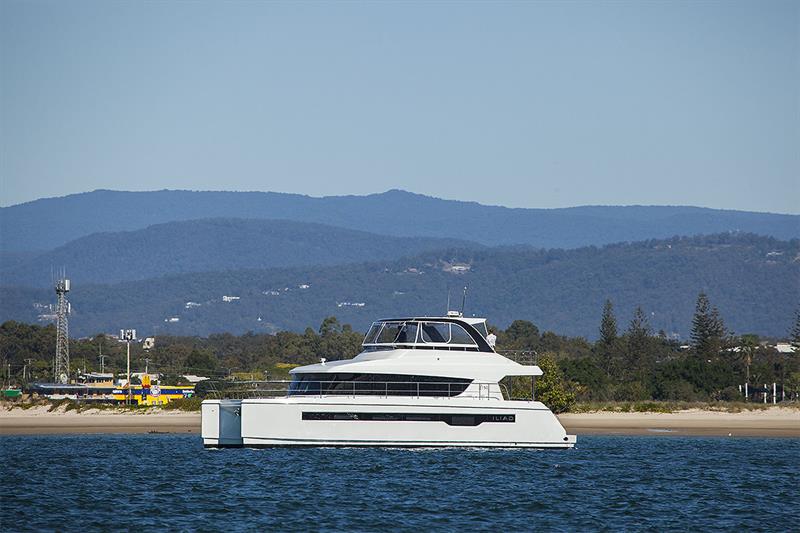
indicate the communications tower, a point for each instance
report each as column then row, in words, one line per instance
column 61, row 366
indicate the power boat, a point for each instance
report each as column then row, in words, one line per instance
column 418, row 382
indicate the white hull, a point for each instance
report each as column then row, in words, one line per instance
column 381, row 421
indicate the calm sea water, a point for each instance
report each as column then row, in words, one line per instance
column 111, row 482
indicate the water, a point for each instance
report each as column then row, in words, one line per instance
column 105, row 482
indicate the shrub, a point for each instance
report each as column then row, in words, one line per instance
column 184, row 404
column 729, row 394
column 551, row 388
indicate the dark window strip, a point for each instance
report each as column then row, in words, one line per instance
column 449, row 419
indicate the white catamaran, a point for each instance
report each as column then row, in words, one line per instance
column 420, row 381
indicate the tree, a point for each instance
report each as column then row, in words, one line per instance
column 329, row 326
column 201, row 362
column 551, row 388
column 607, row 347
column 520, row 335
column 608, row 325
column 708, row 329
column 638, row 336
column 747, row 348
column 794, row 333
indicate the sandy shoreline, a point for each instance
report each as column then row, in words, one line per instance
column 774, row 422
column 40, row 421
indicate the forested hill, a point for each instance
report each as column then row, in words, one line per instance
column 212, row 245
column 47, row 223
column 755, row 282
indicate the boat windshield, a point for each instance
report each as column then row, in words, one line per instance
column 392, row 333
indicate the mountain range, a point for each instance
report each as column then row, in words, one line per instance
column 48, row 223
column 195, row 263
column 754, row 280
column 211, row 245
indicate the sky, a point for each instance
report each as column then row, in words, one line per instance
column 523, row 104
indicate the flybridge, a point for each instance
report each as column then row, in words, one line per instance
column 440, row 333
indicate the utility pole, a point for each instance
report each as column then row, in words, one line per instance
column 102, row 358
column 146, row 363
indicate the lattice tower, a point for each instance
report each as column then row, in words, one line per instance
column 61, row 366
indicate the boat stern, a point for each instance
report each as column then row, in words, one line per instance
column 221, row 423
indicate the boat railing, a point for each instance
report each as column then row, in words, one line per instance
column 523, row 357
column 240, row 390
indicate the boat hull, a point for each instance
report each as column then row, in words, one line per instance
column 381, row 422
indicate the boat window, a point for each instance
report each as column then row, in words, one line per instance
column 407, row 333
column 389, row 332
column 481, row 327
column 435, row 332
column 448, row 418
column 372, row 335
column 392, row 333
column 445, row 333
column 459, row 335
column 413, row 332
column 376, row 385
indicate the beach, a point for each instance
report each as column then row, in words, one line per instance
column 771, row 422
column 39, row 420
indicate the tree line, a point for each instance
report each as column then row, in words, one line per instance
column 630, row 364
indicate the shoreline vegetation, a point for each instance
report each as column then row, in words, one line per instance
column 611, row 418
column 636, row 365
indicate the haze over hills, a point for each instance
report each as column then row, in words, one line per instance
column 755, row 282
column 48, row 223
column 211, row 245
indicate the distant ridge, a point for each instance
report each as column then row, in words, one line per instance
column 48, row 223
column 218, row 244
column 755, row 282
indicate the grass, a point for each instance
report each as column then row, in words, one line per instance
column 184, row 404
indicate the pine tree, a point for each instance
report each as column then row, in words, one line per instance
column 708, row 329
column 638, row 335
column 607, row 347
column 608, row 325
column 715, row 325
column 700, row 322
column 794, row 333
column 639, row 327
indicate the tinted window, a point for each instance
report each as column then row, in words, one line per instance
column 445, row 333
column 481, row 327
column 407, row 333
column 376, row 385
column 389, row 332
column 447, row 418
column 435, row 332
column 459, row 335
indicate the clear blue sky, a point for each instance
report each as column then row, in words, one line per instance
column 532, row 104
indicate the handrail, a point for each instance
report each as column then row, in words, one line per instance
column 523, row 357
column 416, row 389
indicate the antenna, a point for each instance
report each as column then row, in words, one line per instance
column 463, row 301
column 448, row 302
column 61, row 359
